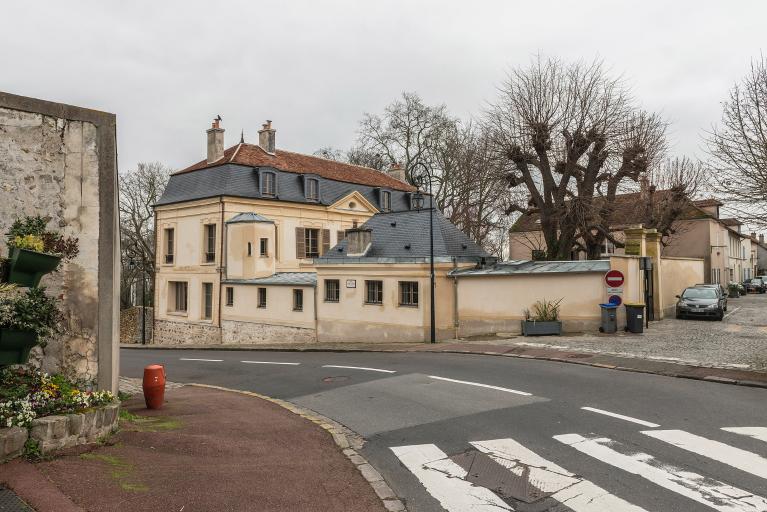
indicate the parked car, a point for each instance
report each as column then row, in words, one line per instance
column 720, row 289
column 701, row 301
column 755, row 285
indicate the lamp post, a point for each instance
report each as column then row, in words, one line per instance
column 141, row 266
column 423, row 177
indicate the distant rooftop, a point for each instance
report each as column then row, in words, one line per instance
column 280, row 278
column 248, row 217
column 536, row 267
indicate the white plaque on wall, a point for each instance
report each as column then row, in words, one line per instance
column 351, row 283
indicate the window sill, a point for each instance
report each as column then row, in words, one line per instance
column 208, row 263
column 260, row 307
column 332, row 301
column 178, row 313
column 298, row 310
column 411, row 306
column 372, row 303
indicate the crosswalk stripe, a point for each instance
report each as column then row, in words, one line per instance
column 759, row 433
column 735, row 457
column 710, row 492
column 443, row 479
column 576, row 493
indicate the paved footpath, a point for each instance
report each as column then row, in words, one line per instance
column 205, row 450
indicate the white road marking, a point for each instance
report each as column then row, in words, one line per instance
column 731, row 312
column 269, row 362
column 710, row 492
column 207, row 360
column 573, row 491
column 444, row 480
column 488, row 386
column 759, row 433
column 724, row 453
column 621, row 416
column 358, row 368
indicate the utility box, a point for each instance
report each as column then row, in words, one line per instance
column 609, row 318
column 635, row 317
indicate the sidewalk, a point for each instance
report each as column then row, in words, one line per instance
column 205, row 450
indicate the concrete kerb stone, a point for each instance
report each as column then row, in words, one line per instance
column 346, row 440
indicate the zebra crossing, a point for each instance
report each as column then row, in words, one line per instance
column 501, row 474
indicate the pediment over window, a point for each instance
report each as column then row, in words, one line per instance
column 354, row 202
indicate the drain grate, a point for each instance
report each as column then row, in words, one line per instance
column 9, row 502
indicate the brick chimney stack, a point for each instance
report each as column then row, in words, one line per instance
column 215, row 141
column 397, row 172
column 267, row 136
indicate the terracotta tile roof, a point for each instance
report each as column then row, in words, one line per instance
column 626, row 213
column 252, row 155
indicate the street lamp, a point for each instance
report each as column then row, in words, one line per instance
column 141, row 266
column 422, row 176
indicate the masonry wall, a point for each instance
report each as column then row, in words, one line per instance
column 678, row 274
column 60, row 161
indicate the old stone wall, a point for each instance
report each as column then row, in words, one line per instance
column 233, row 331
column 167, row 332
column 60, row 161
column 130, row 325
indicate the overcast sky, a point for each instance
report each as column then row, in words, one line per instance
column 314, row 67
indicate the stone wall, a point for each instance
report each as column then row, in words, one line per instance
column 60, row 161
column 130, row 325
column 53, row 433
column 233, row 331
column 167, row 332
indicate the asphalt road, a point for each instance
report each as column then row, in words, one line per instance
column 668, row 453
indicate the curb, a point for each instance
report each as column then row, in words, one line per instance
column 348, row 441
column 708, row 378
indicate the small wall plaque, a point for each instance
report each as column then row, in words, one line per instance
column 351, row 283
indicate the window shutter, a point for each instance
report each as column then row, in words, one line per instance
column 325, row 241
column 300, row 243
column 340, row 236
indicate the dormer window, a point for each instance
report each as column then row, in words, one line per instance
column 312, row 189
column 384, row 198
column 268, row 184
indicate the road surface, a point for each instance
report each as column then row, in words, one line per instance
column 469, row 433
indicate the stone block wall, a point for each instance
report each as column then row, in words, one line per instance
column 167, row 332
column 233, row 331
column 60, row 161
column 58, row 432
column 130, row 325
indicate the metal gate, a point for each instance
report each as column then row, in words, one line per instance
column 645, row 264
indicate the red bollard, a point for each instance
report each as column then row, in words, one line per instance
column 154, row 386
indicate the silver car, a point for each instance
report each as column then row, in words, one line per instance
column 700, row 301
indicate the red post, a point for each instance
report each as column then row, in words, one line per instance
column 154, row 386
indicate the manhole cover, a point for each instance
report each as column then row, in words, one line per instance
column 339, row 378
column 9, row 502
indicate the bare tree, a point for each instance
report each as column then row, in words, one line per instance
column 140, row 189
column 738, row 147
column 571, row 136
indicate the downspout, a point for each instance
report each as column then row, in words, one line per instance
column 222, row 267
column 456, row 323
column 316, row 317
column 155, row 268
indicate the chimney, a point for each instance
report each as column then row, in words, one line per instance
column 266, row 137
column 397, row 172
column 761, row 239
column 215, row 141
column 358, row 241
column 753, row 235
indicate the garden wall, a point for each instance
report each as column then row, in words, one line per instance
column 60, row 161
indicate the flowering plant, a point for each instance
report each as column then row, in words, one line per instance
column 31, row 233
column 26, row 394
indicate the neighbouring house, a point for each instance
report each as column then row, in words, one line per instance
column 698, row 233
column 759, row 250
column 252, row 248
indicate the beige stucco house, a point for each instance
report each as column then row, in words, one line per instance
column 727, row 253
column 251, row 248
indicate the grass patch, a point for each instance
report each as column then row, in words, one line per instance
column 150, row 423
column 126, row 415
column 120, row 470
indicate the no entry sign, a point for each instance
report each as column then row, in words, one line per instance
column 614, row 279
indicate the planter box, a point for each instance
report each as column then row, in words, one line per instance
column 533, row 328
column 26, row 267
column 15, row 346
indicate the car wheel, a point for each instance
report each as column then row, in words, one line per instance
column 721, row 316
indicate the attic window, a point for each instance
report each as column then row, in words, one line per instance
column 352, row 204
column 268, row 184
column 312, row 189
column 385, row 200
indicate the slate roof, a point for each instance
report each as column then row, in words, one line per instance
column 280, row 279
column 248, row 217
column 405, row 236
column 253, row 155
column 536, row 267
column 236, row 180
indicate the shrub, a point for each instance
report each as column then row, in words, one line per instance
column 32, row 310
column 544, row 311
column 29, row 242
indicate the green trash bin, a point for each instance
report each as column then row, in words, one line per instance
column 635, row 317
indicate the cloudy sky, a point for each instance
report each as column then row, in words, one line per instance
column 314, row 67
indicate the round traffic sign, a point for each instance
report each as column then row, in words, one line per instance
column 615, row 299
column 614, row 279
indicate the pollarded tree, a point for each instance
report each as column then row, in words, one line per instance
column 738, row 147
column 571, row 136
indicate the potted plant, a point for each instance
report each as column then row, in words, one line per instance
column 26, row 319
column 544, row 319
column 734, row 290
column 35, row 251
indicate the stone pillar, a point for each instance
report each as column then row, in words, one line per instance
column 635, row 241
column 653, row 250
